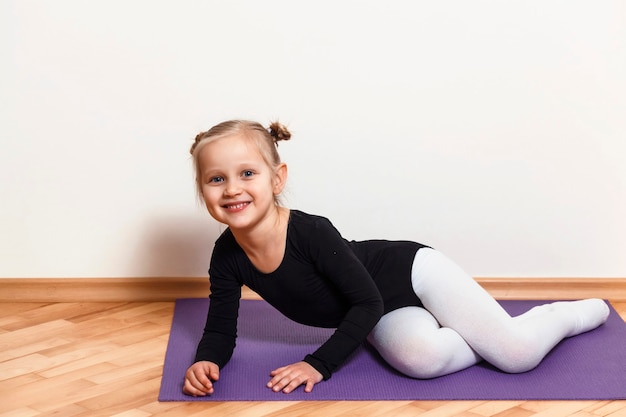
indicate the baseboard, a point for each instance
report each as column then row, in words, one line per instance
column 169, row 289
column 555, row 288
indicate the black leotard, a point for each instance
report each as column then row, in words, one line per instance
column 323, row 280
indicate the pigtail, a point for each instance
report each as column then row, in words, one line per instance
column 278, row 132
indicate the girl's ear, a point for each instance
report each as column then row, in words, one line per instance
column 280, row 178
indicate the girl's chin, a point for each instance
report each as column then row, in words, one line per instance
column 236, row 220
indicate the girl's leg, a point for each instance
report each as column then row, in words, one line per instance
column 511, row 344
column 411, row 340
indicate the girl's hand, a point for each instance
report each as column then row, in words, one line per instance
column 290, row 377
column 199, row 378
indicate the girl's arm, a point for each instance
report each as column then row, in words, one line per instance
column 336, row 261
column 220, row 331
column 216, row 346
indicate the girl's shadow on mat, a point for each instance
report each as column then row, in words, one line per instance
column 260, row 322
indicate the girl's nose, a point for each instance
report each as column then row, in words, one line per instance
column 232, row 188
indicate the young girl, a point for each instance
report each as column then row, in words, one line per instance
column 419, row 310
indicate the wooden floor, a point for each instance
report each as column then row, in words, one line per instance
column 105, row 359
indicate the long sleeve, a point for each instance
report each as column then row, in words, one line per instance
column 220, row 332
column 335, row 260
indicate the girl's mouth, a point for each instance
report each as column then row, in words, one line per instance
column 236, row 206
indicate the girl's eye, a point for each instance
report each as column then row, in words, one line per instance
column 247, row 173
column 216, row 180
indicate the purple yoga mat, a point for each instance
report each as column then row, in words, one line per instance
column 591, row 366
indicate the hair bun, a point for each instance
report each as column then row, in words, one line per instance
column 279, row 132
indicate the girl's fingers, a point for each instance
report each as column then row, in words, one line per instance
column 195, row 388
column 309, row 386
column 197, row 383
column 290, row 377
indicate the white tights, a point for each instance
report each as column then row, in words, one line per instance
column 461, row 324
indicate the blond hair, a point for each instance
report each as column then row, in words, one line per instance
column 266, row 141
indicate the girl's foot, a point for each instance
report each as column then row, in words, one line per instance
column 589, row 313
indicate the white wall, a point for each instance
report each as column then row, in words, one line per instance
column 492, row 130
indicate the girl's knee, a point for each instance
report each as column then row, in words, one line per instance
column 518, row 365
column 423, row 356
column 411, row 341
column 516, row 355
column 429, row 367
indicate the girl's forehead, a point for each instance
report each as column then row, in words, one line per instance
column 239, row 143
column 231, row 147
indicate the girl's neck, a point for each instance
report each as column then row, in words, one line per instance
column 270, row 230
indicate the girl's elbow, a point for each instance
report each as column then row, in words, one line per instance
column 378, row 308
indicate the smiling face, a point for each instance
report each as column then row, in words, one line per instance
column 237, row 184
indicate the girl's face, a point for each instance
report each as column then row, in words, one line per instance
column 238, row 186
